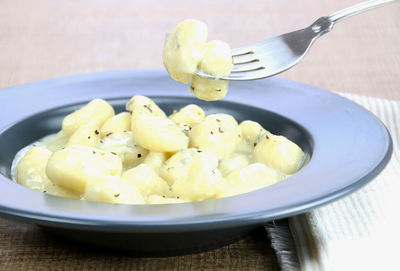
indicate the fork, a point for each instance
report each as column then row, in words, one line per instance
column 280, row 53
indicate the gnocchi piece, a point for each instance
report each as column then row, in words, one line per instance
column 31, row 169
column 204, row 179
column 118, row 123
column 236, row 161
column 123, row 145
column 239, row 180
column 97, row 111
column 86, row 135
column 178, row 165
column 146, row 180
column 141, row 104
column 184, row 48
column 190, row 115
column 218, row 132
column 31, row 172
column 158, row 134
column 155, row 199
column 280, row 153
column 112, row 189
column 252, row 131
column 209, row 89
column 72, row 167
column 216, row 61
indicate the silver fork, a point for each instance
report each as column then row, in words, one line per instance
column 278, row 54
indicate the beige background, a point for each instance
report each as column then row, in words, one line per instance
column 43, row 38
column 48, row 38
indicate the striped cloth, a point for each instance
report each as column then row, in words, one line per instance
column 360, row 231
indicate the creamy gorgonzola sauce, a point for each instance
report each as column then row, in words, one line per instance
column 143, row 156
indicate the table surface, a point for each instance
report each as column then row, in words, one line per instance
column 49, row 38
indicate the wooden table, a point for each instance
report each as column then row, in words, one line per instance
column 49, row 38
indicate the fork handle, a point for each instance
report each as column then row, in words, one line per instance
column 356, row 9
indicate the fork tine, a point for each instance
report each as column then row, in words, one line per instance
column 241, row 51
column 251, row 66
column 245, row 59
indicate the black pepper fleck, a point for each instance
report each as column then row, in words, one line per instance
column 211, row 132
column 88, row 137
column 255, row 144
column 220, row 130
column 218, row 89
column 113, row 153
column 117, row 195
column 108, row 134
column 148, row 107
column 96, row 132
column 139, row 155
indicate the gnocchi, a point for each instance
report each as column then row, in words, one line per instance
column 186, row 51
column 144, row 156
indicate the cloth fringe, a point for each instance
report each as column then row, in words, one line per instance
column 283, row 244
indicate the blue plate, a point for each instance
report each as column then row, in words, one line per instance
column 346, row 144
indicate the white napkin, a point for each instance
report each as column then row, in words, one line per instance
column 360, row 231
